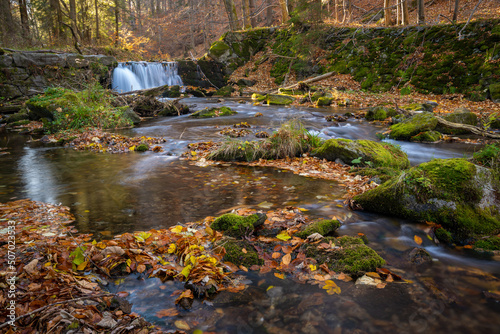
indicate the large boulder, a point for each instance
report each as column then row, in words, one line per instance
column 27, row 60
column 460, row 115
column 413, row 126
column 495, row 92
column 379, row 113
column 278, row 99
column 460, row 196
column 371, row 153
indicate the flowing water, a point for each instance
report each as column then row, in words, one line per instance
column 111, row 194
column 136, row 75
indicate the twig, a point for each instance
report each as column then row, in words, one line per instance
column 180, row 137
column 318, row 78
column 460, row 37
column 53, row 304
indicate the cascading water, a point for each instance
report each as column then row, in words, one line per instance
column 131, row 76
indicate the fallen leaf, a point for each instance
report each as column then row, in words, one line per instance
column 283, row 235
column 331, row 288
column 181, row 324
column 281, row 276
column 286, row 259
column 417, row 239
column 170, row 312
column 276, row 255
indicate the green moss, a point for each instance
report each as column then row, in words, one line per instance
column 488, row 156
column 352, row 256
column 235, row 226
column 413, row 126
column 142, row 148
column 278, row 99
column 213, row 112
column 443, row 236
column 20, row 116
column 324, row 101
column 218, row 48
column 290, row 91
column 490, row 243
column 323, row 227
column 427, row 136
column 379, row 113
column 225, row 91
column 418, row 107
column 374, row 153
column 258, row 97
column 382, row 173
column 235, row 254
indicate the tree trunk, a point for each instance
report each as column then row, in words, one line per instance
column 269, row 13
column 117, row 22
column 72, row 17
column 25, row 25
column 7, row 25
column 337, row 10
column 404, row 10
column 245, row 6
column 421, row 11
column 455, row 11
column 231, row 14
column 387, row 13
column 97, row 35
column 253, row 18
column 284, row 11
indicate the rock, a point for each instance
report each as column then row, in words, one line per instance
column 460, row 115
column 379, row 113
column 245, row 82
column 495, row 92
column 419, row 256
column 112, row 250
column 6, row 61
column 454, row 193
column 367, row 280
column 416, row 107
column 27, row 60
column 277, row 99
column 324, row 101
column 427, row 136
column 371, row 153
column 132, row 116
column 236, row 255
column 202, row 73
column 322, row 227
column 237, row 226
column 349, row 255
column 213, row 112
column 17, row 117
column 77, row 61
column 107, row 61
column 10, row 91
column 258, row 97
column 225, row 91
column 413, row 126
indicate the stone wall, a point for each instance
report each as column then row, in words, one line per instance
column 23, row 74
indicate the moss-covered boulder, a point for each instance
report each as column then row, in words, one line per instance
column 240, row 252
column 413, row 126
column 132, row 116
column 17, row 117
column 488, row 243
column 379, row 113
column 258, row 97
column 279, row 99
column 348, row 254
column 419, row 107
column 324, row 101
column 237, row 226
column 427, row 136
column 495, row 92
column 213, row 112
column 225, row 91
column 462, row 197
column 461, row 116
column 371, row 153
column 488, row 156
column 324, row 227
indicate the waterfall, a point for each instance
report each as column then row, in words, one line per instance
column 131, row 76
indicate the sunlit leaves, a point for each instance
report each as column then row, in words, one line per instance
column 417, row 239
column 78, row 255
column 283, row 235
column 331, row 288
column 142, row 236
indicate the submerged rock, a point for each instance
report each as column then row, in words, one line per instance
column 371, row 153
column 462, row 197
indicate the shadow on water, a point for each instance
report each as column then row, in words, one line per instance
column 111, row 194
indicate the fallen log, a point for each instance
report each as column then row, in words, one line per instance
column 318, row 78
column 148, row 91
column 471, row 128
column 35, row 51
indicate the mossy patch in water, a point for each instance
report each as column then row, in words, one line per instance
column 236, row 255
column 379, row 113
column 234, row 225
column 323, row 227
column 213, row 112
column 427, row 136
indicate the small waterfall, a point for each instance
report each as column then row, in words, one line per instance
column 131, row 76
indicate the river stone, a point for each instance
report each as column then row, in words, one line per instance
column 462, row 116
column 132, row 116
column 462, row 197
column 378, row 154
column 26, row 60
column 413, row 126
column 495, row 92
column 6, row 61
column 278, row 99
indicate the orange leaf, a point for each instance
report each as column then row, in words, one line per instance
column 417, row 239
column 244, row 250
column 170, row 312
column 141, row 268
column 282, row 275
column 276, row 255
column 286, row 259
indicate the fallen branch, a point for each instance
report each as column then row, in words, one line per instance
column 318, row 78
column 53, row 304
column 471, row 128
column 152, row 91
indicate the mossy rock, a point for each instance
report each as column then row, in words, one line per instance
column 379, row 113
column 171, row 92
column 427, row 136
column 236, row 255
column 258, row 97
column 213, row 112
column 413, row 126
column 17, row 117
column 443, row 236
column 324, row 101
column 419, row 107
column 218, row 50
column 351, row 256
column 237, row 226
column 495, row 92
column 489, row 243
column 142, row 148
column 225, row 91
column 461, row 116
column 132, row 116
column 454, row 193
column 323, row 227
column 277, row 99
column 290, row 91
column 374, row 153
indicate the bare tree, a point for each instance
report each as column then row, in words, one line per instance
column 269, row 12
column 455, row 12
column 25, row 25
column 253, row 18
column 421, row 11
column 284, row 11
column 7, row 25
column 231, row 14
column 245, row 7
column 387, row 13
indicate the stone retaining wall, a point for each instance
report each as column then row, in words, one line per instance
column 23, row 74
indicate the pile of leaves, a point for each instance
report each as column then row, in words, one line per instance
column 104, row 142
column 234, row 132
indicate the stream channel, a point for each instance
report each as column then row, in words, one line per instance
column 115, row 193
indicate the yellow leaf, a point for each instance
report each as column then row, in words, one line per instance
column 186, row 270
column 282, row 275
column 129, row 262
column 270, row 287
column 417, row 239
column 193, row 153
column 313, row 267
column 172, row 248
column 303, row 210
column 283, row 235
column 82, row 265
column 176, row 229
column 181, row 324
column 132, row 148
column 331, row 288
